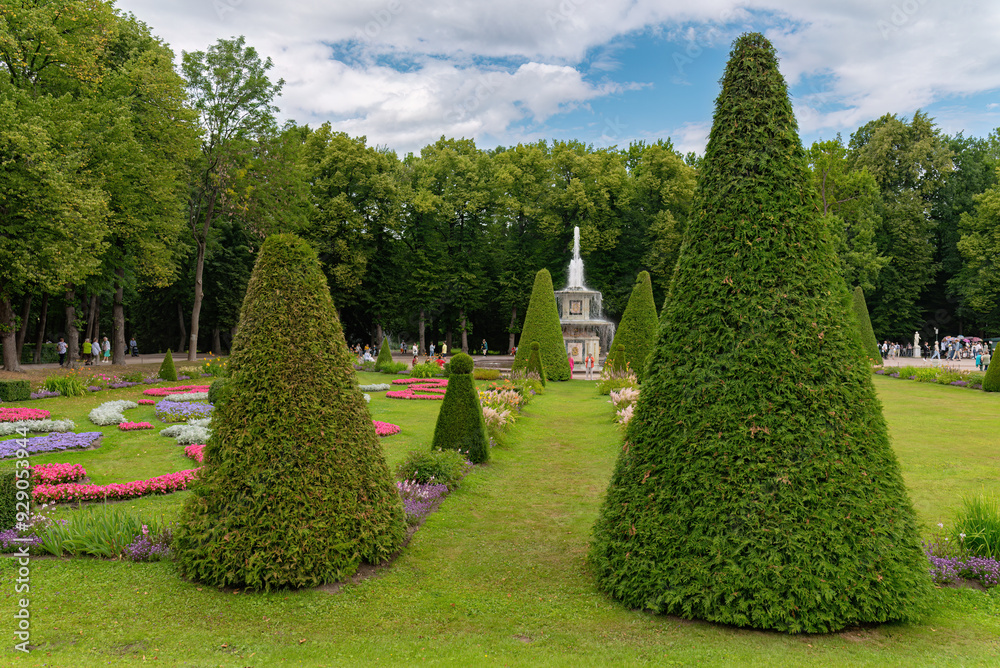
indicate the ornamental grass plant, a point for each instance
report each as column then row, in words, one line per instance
column 268, row 511
column 757, row 486
column 977, row 526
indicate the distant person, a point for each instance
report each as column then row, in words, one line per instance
column 95, row 350
column 431, row 349
column 444, row 349
column 484, row 348
column 61, row 348
column 107, row 350
column 133, row 347
column 86, row 352
column 570, row 357
column 416, row 351
column 986, row 359
column 589, row 365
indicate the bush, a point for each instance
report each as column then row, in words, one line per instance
column 268, row 511
column 8, row 494
column 926, row 375
column 866, row 334
column 444, row 467
column 758, row 486
column 97, row 532
column 394, row 367
column 218, row 392
column 15, row 390
column 214, row 367
column 460, row 425
column 384, row 355
column 991, row 383
column 535, row 365
column 637, row 330
column 48, row 356
column 425, row 370
column 616, row 361
column 486, row 374
column 978, row 526
column 68, row 386
column 541, row 324
column 167, row 370
column 615, row 380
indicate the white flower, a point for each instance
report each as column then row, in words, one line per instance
column 940, row 526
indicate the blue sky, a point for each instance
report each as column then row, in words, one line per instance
column 405, row 72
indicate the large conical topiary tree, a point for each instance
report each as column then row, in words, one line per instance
column 295, row 490
column 991, row 383
column 756, row 485
column 384, row 354
column 637, row 329
column 460, row 424
column 864, row 324
column 541, row 323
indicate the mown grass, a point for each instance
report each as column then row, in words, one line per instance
column 498, row 576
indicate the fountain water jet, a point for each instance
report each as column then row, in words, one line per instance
column 585, row 330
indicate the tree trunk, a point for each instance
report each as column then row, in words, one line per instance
column 465, row 333
column 40, row 335
column 9, row 335
column 118, row 318
column 72, row 333
column 199, row 271
column 423, row 325
column 91, row 314
column 377, row 343
column 97, row 321
column 513, row 324
column 447, row 341
column 25, row 312
column 216, row 341
column 180, row 319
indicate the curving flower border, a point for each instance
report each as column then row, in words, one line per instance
column 56, row 474
column 180, row 389
column 163, row 484
column 436, row 387
column 16, row 414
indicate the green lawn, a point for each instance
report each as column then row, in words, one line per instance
column 498, row 575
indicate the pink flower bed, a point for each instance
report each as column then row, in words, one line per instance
column 147, row 402
column 15, row 414
column 384, row 428
column 435, row 386
column 55, row 474
column 132, row 426
column 196, row 452
column 163, row 484
column 180, row 389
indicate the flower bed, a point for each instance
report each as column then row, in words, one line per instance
column 38, row 426
column 385, row 428
column 377, row 387
column 187, row 396
column 177, row 411
column 51, row 443
column 419, row 499
column 163, row 484
column 195, row 451
column 180, row 389
column 16, row 414
column 132, row 426
column 110, row 412
column 436, row 387
column 147, row 402
column 44, row 394
column 187, row 434
column 945, row 570
column 56, row 474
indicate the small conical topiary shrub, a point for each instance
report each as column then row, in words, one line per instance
column 384, row 354
column 864, row 324
column 535, row 364
column 637, row 330
column 167, row 370
column 460, row 425
column 295, row 490
column 991, row 383
column 615, row 360
column 541, row 323
column 756, row 485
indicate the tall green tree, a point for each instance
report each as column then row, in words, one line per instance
column 229, row 88
column 978, row 280
column 541, row 325
column 757, row 486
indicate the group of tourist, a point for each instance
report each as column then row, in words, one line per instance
column 93, row 351
column 951, row 349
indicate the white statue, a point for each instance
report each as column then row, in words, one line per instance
column 916, row 344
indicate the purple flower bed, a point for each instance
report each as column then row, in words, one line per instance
column 895, row 375
column 960, row 383
column 44, row 394
column 419, row 499
column 51, row 443
column 948, row 569
column 880, row 371
column 183, row 377
column 8, row 544
column 177, row 411
column 149, row 548
column 120, row 385
column 94, row 388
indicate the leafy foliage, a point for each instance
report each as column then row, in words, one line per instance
column 384, row 355
column 460, row 424
column 616, row 361
column 535, row 364
column 864, row 324
column 637, row 330
column 991, row 383
column 8, row 497
column 757, row 486
column 167, row 369
column 218, row 391
column 68, row 386
column 541, row 324
column 270, row 511
column 444, row 467
column 15, row 390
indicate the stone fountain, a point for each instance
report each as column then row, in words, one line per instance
column 585, row 330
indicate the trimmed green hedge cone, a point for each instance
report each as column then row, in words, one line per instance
column 460, row 425
column 639, row 324
column 616, row 358
column 384, row 354
column 295, row 491
column 864, row 324
column 991, row 383
column 541, row 323
column 535, row 364
column 756, row 485
column 167, row 370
